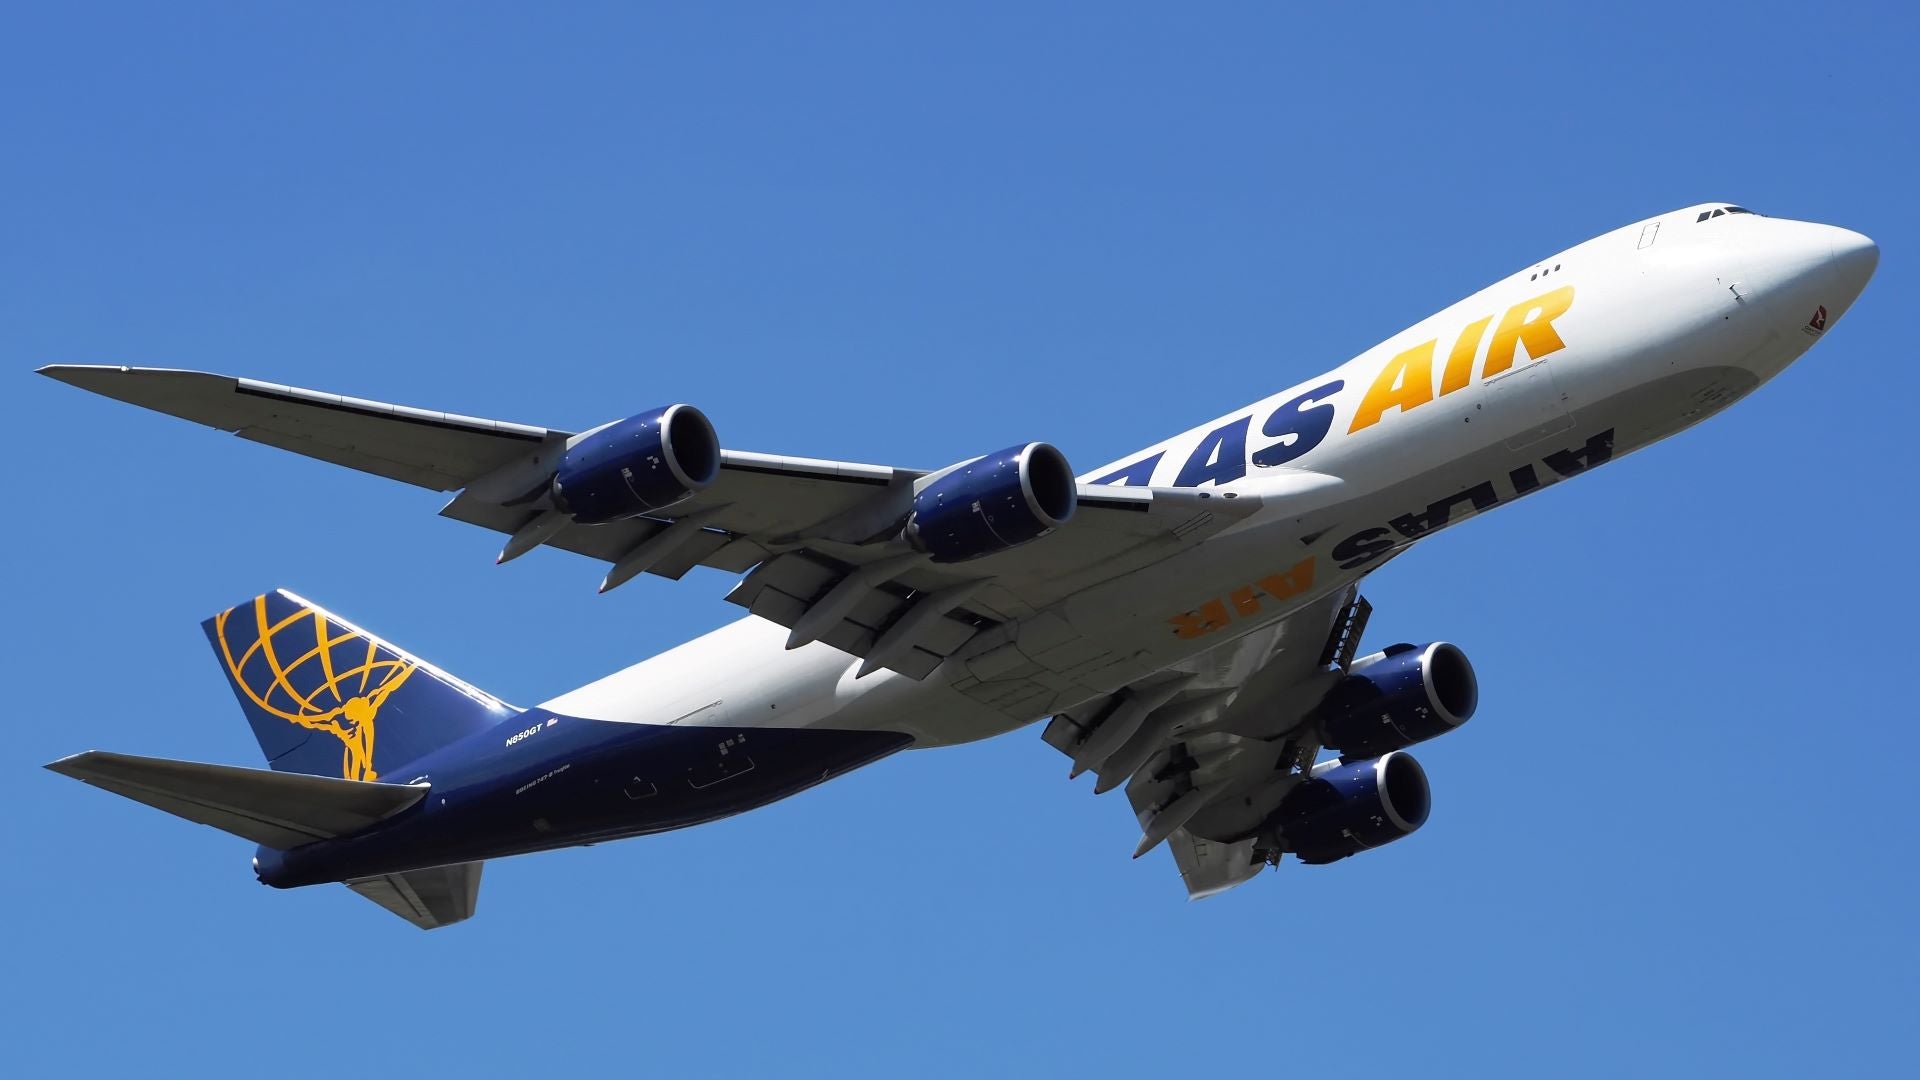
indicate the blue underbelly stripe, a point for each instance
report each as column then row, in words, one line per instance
column 558, row 781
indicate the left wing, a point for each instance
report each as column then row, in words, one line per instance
column 818, row 540
column 278, row 809
column 1215, row 743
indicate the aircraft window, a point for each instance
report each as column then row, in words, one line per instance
column 1718, row 211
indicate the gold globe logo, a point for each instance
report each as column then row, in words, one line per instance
column 349, row 682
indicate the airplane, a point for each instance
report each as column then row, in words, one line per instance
column 1186, row 619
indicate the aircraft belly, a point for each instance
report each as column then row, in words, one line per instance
column 581, row 781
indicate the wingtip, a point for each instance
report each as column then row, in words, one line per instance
column 104, row 379
column 95, row 376
column 70, row 373
column 70, row 765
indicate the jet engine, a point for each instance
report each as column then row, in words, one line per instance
column 636, row 466
column 993, row 503
column 1346, row 807
column 1397, row 697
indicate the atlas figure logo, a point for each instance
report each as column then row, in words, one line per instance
column 336, row 681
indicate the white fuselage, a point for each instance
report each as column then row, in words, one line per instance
column 1586, row 355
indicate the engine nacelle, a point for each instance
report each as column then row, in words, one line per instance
column 1400, row 696
column 993, row 503
column 1346, row 807
column 636, row 466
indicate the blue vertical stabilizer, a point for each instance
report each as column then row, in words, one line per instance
column 329, row 699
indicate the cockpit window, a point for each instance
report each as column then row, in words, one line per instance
column 1705, row 214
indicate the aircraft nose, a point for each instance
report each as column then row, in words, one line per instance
column 1852, row 259
column 1800, row 264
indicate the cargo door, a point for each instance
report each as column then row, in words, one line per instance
column 1526, row 404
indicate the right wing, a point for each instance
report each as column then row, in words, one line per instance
column 814, row 537
column 1216, row 740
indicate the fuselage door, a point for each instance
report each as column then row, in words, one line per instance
column 1527, row 403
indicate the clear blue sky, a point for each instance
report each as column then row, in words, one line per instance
column 1677, row 840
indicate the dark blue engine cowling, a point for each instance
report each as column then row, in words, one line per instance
column 993, row 503
column 637, row 466
column 1400, row 696
column 1347, row 807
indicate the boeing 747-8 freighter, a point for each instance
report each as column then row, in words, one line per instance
column 1186, row 619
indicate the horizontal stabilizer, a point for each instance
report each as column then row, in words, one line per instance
column 280, row 810
column 430, row 898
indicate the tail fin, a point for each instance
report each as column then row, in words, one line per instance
column 327, row 698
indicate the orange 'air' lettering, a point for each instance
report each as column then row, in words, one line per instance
column 1214, row 615
column 1297, row 579
column 1460, row 362
column 1245, row 600
column 1405, row 382
column 1529, row 324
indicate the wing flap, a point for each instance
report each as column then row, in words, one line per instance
column 1230, row 731
column 608, row 543
column 1209, row 867
column 785, row 588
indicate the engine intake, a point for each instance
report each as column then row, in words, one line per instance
column 1400, row 696
column 1347, row 807
column 993, row 503
column 636, row 466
